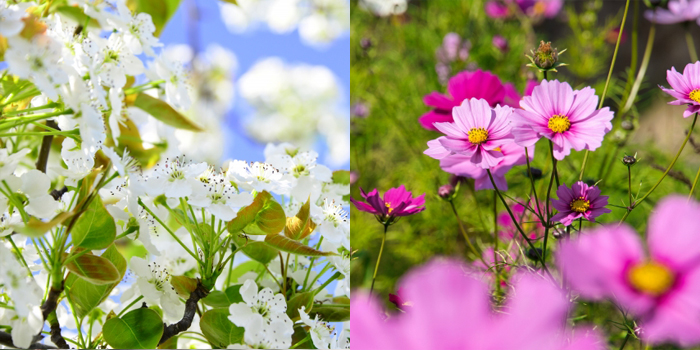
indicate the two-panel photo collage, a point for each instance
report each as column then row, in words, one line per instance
column 350, row 174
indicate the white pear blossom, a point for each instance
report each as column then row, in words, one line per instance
column 9, row 161
column 257, row 176
column 335, row 226
column 11, row 16
column 177, row 86
column 39, row 61
column 216, row 194
column 264, row 317
column 35, row 186
column 153, row 283
column 320, row 331
column 174, row 177
column 138, row 30
column 79, row 164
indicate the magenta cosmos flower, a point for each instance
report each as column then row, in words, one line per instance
column 463, row 86
column 678, row 11
column 462, row 165
column 451, row 310
column 478, row 132
column 532, row 8
column 396, row 202
column 567, row 117
column 661, row 288
column 579, row 201
column 685, row 87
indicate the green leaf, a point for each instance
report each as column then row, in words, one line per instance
column 183, row 285
column 258, row 251
column 218, row 298
column 305, row 299
column 139, row 329
column 37, row 228
column 86, row 295
column 76, row 13
column 160, row 10
column 235, row 2
column 94, row 269
column 248, row 266
column 331, row 313
column 219, row 330
column 95, row 229
column 262, row 217
column 289, row 245
column 341, row 177
column 300, row 226
column 162, row 111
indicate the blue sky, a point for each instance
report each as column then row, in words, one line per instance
column 249, row 48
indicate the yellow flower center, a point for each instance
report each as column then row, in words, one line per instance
column 478, row 136
column 539, row 8
column 580, row 205
column 559, row 123
column 388, row 205
column 695, row 95
column 498, row 149
column 651, row 278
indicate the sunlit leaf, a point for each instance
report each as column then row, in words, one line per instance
column 331, row 313
column 258, row 251
column 37, row 228
column 86, row 295
column 219, row 330
column 94, row 269
column 300, row 226
column 162, row 111
column 225, row 298
column 183, row 285
column 289, row 245
column 295, row 303
column 95, row 228
column 262, row 217
column 138, row 329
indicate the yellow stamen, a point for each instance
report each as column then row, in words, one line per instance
column 498, row 149
column 388, row 205
column 580, row 205
column 559, row 123
column 695, row 95
column 651, row 278
column 478, row 136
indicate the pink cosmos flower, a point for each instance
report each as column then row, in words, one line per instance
column 532, row 8
column 567, row 117
column 463, row 86
column 462, row 165
column 678, row 11
column 396, row 202
column 579, row 201
column 478, row 132
column 661, row 288
column 452, row 310
column 685, row 87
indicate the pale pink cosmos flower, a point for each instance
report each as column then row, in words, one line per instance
column 462, row 165
column 451, row 309
column 579, row 201
column 660, row 287
column 477, row 132
column 567, row 117
column 685, row 87
column 678, row 11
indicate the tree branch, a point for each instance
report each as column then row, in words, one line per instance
column 51, row 301
column 186, row 321
column 6, row 340
column 45, row 148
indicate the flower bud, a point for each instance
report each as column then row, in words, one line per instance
column 545, row 56
column 627, row 125
column 629, row 160
column 533, row 254
column 365, row 43
column 446, row 191
column 536, row 173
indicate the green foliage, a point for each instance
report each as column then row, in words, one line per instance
column 219, row 330
column 225, row 298
column 85, row 295
column 331, row 313
column 289, row 245
column 94, row 269
column 295, row 303
column 183, row 285
column 162, row 111
column 95, row 228
column 264, row 216
column 138, row 329
column 258, row 251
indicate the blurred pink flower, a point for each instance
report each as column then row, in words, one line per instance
column 500, row 43
column 528, row 221
column 396, row 202
column 463, row 86
column 579, row 201
column 567, row 117
column 461, row 165
column 661, row 288
column 685, row 87
column 451, row 310
column 678, row 11
column 532, row 8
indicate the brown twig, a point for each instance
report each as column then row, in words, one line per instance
column 6, row 340
column 675, row 174
column 190, row 310
column 45, row 148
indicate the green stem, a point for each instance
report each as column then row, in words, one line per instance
column 642, row 70
column 532, row 182
column 33, row 109
column 607, row 81
column 327, row 282
column 629, row 184
column 466, row 238
column 548, row 201
column 517, row 225
column 673, row 162
column 130, row 305
column 691, row 45
column 495, row 243
column 169, row 231
column 624, row 342
column 379, row 258
column 8, row 123
column 31, row 93
column 143, row 87
column 695, row 182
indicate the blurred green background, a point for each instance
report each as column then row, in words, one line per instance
column 393, row 62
